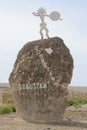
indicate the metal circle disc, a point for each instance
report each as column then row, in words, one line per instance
column 55, row 15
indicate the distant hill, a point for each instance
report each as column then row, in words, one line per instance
column 4, row 84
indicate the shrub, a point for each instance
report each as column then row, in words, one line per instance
column 7, row 109
column 76, row 102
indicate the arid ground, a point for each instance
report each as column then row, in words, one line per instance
column 74, row 119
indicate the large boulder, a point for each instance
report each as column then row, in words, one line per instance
column 39, row 80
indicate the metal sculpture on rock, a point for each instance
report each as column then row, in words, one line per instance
column 43, row 26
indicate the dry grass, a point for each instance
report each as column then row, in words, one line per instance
column 77, row 93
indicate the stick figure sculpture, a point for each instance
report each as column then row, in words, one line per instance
column 43, row 26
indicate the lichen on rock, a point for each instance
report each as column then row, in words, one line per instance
column 39, row 80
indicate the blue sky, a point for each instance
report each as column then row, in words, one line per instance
column 18, row 26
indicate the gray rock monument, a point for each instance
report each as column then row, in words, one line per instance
column 39, row 80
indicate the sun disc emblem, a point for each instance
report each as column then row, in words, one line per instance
column 55, row 15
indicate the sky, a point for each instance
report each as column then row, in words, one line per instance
column 18, row 26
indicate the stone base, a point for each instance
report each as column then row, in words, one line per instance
column 41, row 109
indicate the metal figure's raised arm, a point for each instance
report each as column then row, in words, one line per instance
column 47, row 15
column 35, row 14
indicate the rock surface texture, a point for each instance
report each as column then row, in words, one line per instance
column 39, row 80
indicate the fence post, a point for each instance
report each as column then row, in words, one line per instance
column 1, row 97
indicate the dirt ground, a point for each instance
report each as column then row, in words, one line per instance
column 74, row 119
